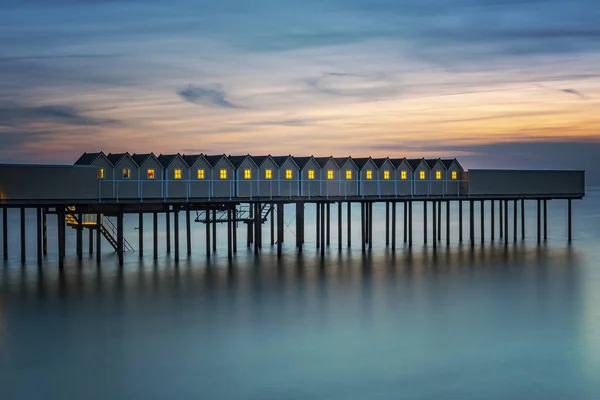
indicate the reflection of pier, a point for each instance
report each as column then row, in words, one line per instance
column 96, row 218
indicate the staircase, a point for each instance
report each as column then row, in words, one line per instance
column 243, row 214
column 107, row 227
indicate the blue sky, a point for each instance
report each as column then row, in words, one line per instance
column 493, row 82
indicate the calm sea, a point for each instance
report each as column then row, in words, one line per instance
column 492, row 322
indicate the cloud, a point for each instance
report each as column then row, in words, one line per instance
column 210, row 96
column 574, row 92
column 13, row 115
column 361, row 86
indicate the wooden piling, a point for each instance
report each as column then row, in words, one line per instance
column 545, row 219
column 39, row 235
column 405, row 222
column 23, row 249
column 539, row 234
column 214, row 230
column 99, row 236
column 393, row 225
column 229, row 234
column 505, row 222
column 168, row 230
column 140, row 235
column 176, row 232
column 425, row 221
column 120, row 248
column 155, row 234
column 569, row 220
column 492, row 222
column 472, row 222
column 349, row 224
column 280, row 215
column 257, row 227
column 460, row 221
column 79, row 243
column 448, row 222
column 501, row 219
column 370, row 224
column 482, row 215
column 363, row 226
column 434, row 223
column 60, row 225
column 322, row 229
column 387, row 223
column 439, row 220
column 90, row 241
column 339, row 225
column 188, row 232
column 410, row 232
column 234, row 229
column 523, row 219
column 515, row 221
column 318, row 233
column 250, row 225
column 5, row 233
column 45, row 232
column 207, row 234
column 273, row 217
column 328, row 223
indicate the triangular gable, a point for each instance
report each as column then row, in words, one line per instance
column 302, row 161
column 432, row 162
column 380, row 161
column 236, row 161
column 213, row 160
column 361, row 162
column 322, row 161
column 414, row 163
column 281, row 160
column 140, row 159
column 118, row 157
column 260, row 160
column 89, row 158
column 341, row 161
column 448, row 163
column 167, row 159
column 191, row 159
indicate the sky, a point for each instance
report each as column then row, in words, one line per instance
column 496, row 83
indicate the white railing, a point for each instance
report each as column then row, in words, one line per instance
column 157, row 189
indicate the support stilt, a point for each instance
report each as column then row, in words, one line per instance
column 188, row 232
column 140, row 234
column 99, row 237
column 39, row 236
column 154, row 234
column 23, row 249
column 176, row 229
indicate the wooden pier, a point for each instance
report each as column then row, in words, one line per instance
column 97, row 219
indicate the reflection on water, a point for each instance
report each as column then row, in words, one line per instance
column 516, row 321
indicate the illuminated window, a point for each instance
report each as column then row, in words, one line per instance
column 177, row 174
column 223, row 174
column 369, row 174
column 386, row 174
column 200, row 174
column 453, row 174
column 422, row 175
column 348, row 174
column 329, row 174
column 100, row 173
column 126, row 174
column 288, row 174
column 311, row 174
column 402, row 174
column 438, row 174
column 268, row 174
column 247, row 174
column 150, row 174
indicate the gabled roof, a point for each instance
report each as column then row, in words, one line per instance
column 398, row 161
column 431, row 162
column 141, row 158
column 448, row 163
column 361, row 162
column 214, row 159
column 302, row 161
column 380, row 161
column 259, row 160
column 280, row 160
column 414, row 162
column 322, row 161
column 190, row 159
column 236, row 161
column 341, row 161
column 167, row 159
column 89, row 158
column 117, row 157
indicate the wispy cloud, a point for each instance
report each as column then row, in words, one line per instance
column 210, row 96
column 575, row 93
column 14, row 115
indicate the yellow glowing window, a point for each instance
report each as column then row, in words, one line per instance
column 247, row 174
column 126, row 173
column 177, row 174
column 268, row 174
column 386, row 174
column 369, row 174
column 223, row 174
column 402, row 174
column 422, row 175
column 329, row 174
column 453, row 174
column 311, row 174
column 100, row 173
column 348, row 174
column 200, row 174
column 150, row 174
column 288, row 174
column 438, row 174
